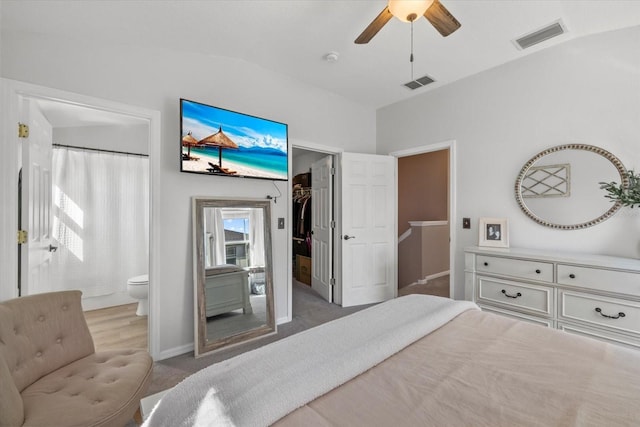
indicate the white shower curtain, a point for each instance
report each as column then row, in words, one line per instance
column 101, row 220
column 256, row 238
column 214, row 226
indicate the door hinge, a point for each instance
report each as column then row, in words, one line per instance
column 332, row 281
column 23, row 130
column 22, row 237
column 333, row 224
column 333, row 171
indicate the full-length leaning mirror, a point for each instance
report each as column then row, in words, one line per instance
column 560, row 187
column 233, row 287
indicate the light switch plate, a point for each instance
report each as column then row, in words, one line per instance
column 281, row 223
column 466, row 222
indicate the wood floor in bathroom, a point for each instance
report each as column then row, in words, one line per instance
column 117, row 327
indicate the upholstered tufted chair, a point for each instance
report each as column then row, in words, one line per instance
column 50, row 374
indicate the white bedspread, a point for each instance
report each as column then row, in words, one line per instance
column 261, row 386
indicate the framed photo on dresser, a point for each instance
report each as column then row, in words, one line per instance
column 493, row 232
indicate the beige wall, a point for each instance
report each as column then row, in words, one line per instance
column 424, row 254
column 435, row 250
column 422, row 188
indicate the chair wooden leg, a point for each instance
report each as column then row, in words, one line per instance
column 137, row 417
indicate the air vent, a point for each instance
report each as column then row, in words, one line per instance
column 419, row 82
column 541, row 35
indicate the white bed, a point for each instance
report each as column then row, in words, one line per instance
column 415, row 360
column 226, row 288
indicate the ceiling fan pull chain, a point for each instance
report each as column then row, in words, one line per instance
column 411, row 56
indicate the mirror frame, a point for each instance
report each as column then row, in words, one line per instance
column 201, row 345
column 596, row 150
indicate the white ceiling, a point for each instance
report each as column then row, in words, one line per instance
column 63, row 115
column 292, row 37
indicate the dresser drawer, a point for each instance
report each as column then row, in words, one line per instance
column 547, row 323
column 611, row 313
column 595, row 278
column 532, row 270
column 503, row 293
column 600, row 334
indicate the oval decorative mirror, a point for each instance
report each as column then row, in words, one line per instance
column 233, row 287
column 560, row 187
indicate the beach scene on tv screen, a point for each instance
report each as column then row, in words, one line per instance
column 222, row 142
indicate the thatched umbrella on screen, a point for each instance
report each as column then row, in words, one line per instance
column 189, row 141
column 220, row 140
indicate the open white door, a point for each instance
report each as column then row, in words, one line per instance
column 36, row 200
column 368, row 228
column 322, row 230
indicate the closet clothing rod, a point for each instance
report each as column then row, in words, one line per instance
column 100, row 150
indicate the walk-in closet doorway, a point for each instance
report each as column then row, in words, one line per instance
column 353, row 222
column 302, row 211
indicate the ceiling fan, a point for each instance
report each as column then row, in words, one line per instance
column 409, row 11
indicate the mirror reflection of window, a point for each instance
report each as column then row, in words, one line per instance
column 233, row 236
column 236, row 241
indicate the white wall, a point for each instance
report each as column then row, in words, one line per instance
column 128, row 139
column 156, row 79
column 584, row 91
column 302, row 160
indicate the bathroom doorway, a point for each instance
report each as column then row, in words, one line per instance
column 87, row 196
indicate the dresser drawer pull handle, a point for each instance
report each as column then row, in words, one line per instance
column 599, row 310
column 573, row 276
column 486, row 264
column 511, row 296
column 538, row 271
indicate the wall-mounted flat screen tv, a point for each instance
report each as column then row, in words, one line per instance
column 220, row 142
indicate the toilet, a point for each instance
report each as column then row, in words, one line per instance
column 138, row 288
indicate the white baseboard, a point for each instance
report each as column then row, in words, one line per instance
column 282, row 320
column 104, row 301
column 429, row 277
column 175, row 351
column 436, row 275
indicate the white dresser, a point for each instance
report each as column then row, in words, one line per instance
column 593, row 295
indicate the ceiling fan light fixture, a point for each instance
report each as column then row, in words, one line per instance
column 409, row 10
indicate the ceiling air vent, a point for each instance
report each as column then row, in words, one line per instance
column 541, row 35
column 419, row 82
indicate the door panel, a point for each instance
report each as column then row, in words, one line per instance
column 322, row 232
column 368, row 198
column 36, row 199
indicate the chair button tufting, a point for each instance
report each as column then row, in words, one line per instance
column 39, row 354
column 65, row 307
column 59, row 340
column 41, row 318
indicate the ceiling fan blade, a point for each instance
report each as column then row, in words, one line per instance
column 441, row 19
column 374, row 27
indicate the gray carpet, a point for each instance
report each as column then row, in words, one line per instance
column 309, row 310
